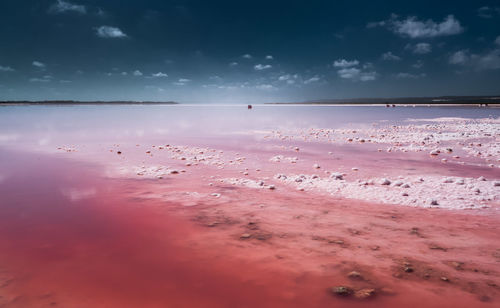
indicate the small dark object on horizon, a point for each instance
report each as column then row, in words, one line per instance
column 249, row 106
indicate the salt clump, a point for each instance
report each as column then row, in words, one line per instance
column 397, row 183
column 337, row 176
column 385, row 181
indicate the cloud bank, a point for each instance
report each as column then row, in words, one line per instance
column 412, row 27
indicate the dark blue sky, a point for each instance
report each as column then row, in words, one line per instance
column 247, row 51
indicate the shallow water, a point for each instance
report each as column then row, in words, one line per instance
column 74, row 233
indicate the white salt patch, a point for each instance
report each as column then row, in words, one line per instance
column 248, row 183
column 423, row 190
column 385, row 181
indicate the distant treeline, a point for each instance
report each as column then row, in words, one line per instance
column 68, row 102
column 439, row 100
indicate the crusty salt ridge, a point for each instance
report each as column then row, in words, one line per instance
column 418, row 191
column 427, row 191
column 478, row 138
column 280, row 158
column 145, row 172
column 247, row 183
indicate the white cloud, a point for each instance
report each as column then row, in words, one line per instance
column 247, row 56
column 368, row 76
column 265, row 87
column 62, row 6
column 489, row 60
column 159, row 75
column 376, row 24
column 459, row 57
column 344, row 63
column 389, row 56
column 6, row 69
column 39, row 80
column 261, row 67
column 100, row 12
column 215, row 78
column 288, row 77
column 410, row 76
column 137, row 73
column 367, row 66
column 486, row 12
column 419, row 48
column 46, row 78
column 497, row 40
column 181, row 82
column 110, row 32
column 311, row 80
column 297, row 79
column 356, row 74
column 349, row 73
column 349, row 70
column 233, row 64
column 269, row 57
column 414, row 28
column 418, row 64
column 39, row 64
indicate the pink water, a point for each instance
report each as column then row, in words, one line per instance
column 72, row 235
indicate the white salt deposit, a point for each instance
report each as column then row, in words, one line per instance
column 248, row 183
column 474, row 194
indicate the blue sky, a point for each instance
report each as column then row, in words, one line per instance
column 247, row 51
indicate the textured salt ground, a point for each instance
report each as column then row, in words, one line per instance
column 425, row 175
column 475, row 139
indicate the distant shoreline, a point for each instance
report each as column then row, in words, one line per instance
column 431, row 100
column 354, row 104
column 69, row 103
column 490, row 105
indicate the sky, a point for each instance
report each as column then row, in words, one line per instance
column 247, row 51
